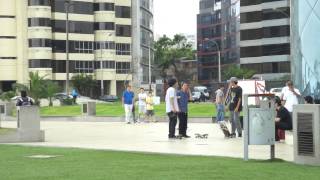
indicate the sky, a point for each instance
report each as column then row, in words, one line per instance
column 175, row 17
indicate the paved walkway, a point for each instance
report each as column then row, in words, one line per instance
column 151, row 137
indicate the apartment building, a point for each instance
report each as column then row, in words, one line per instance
column 218, row 30
column 33, row 38
column 265, row 37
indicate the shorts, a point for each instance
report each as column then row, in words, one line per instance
column 150, row 112
column 142, row 109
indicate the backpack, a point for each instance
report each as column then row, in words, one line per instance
column 25, row 101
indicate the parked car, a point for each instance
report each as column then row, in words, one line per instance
column 196, row 96
column 204, row 90
column 276, row 91
column 109, row 98
column 61, row 96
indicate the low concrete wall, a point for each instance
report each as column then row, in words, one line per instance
column 28, row 122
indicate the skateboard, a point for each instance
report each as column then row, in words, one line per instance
column 201, row 136
column 224, row 129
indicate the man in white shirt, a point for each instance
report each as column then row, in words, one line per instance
column 172, row 107
column 142, row 104
column 289, row 96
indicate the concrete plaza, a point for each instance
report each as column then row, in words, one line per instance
column 152, row 138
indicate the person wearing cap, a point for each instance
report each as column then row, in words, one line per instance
column 289, row 96
column 172, row 108
column 127, row 101
column 235, row 107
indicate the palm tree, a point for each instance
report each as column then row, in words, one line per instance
column 51, row 89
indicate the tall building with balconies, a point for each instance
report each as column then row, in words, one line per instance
column 142, row 45
column 218, row 30
column 265, row 37
column 33, row 38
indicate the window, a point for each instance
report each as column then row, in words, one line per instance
column 123, row 67
column 39, row 3
column 266, row 50
column 104, row 7
column 39, row 63
column 123, row 30
column 77, row 7
column 105, row 64
column 123, row 12
column 104, row 26
column 39, row 42
column 81, row 27
column 123, row 49
column 59, row 46
column 104, row 45
column 39, row 22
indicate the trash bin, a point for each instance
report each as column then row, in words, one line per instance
column 89, row 109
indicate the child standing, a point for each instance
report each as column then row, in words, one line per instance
column 150, row 108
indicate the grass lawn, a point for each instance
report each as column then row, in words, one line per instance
column 6, row 130
column 77, row 164
column 116, row 109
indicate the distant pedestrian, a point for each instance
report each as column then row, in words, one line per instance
column 24, row 100
column 283, row 119
column 172, row 107
column 184, row 96
column 308, row 100
column 127, row 101
column 150, row 107
column 220, row 103
column 235, row 106
column 142, row 104
column 75, row 95
column 289, row 96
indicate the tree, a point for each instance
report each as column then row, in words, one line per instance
column 51, row 89
column 169, row 51
column 236, row 71
column 84, row 83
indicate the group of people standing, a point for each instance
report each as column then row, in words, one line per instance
column 144, row 102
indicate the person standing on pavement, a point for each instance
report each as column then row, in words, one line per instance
column 235, row 107
column 142, row 104
column 75, row 95
column 172, row 107
column 220, row 104
column 127, row 101
column 150, row 107
column 184, row 96
column 289, row 96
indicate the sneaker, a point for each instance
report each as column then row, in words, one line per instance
column 172, row 137
column 233, row 135
column 186, row 136
column 128, row 122
column 239, row 135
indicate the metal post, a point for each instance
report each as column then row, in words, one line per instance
column 150, row 62
column 101, row 69
column 246, row 128
column 67, row 4
column 219, row 65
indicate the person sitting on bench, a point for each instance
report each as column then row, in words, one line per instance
column 283, row 119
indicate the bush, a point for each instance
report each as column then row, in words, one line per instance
column 66, row 102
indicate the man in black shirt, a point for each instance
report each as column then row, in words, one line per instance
column 235, row 106
column 283, row 119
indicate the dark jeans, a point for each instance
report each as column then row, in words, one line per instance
column 172, row 123
column 282, row 126
column 183, row 123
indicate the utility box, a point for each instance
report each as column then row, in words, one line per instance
column 88, row 109
column 306, row 134
column 259, row 124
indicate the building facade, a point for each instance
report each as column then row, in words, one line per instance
column 305, row 46
column 33, row 38
column 143, row 39
column 265, row 37
column 218, row 23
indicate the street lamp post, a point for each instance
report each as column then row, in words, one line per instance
column 67, row 5
column 150, row 36
column 219, row 57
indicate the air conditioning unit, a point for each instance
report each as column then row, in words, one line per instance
column 306, row 134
